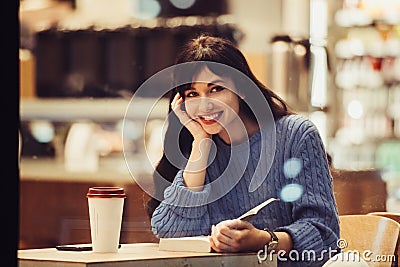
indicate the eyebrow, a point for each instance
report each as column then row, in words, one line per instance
column 215, row 82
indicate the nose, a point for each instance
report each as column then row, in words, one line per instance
column 206, row 104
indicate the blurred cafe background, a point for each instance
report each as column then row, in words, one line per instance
column 81, row 61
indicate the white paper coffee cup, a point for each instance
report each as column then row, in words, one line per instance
column 106, row 206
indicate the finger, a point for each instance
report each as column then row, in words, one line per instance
column 222, row 228
column 177, row 96
column 218, row 246
column 230, row 235
column 213, row 246
column 175, row 100
column 238, row 224
column 233, row 229
column 221, row 236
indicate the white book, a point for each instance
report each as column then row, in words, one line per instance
column 202, row 243
column 189, row 244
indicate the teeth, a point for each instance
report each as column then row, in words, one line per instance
column 211, row 117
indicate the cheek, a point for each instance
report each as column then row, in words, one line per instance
column 232, row 104
column 231, row 112
column 191, row 108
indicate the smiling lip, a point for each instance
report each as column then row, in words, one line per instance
column 210, row 118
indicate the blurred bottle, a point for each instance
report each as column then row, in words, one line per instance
column 290, row 65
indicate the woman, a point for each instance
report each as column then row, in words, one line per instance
column 214, row 120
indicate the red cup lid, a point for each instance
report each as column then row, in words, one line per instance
column 106, row 192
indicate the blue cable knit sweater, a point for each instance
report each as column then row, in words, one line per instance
column 311, row 220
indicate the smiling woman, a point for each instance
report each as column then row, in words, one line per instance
column 231, row 131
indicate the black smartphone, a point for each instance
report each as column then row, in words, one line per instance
column 77, row 247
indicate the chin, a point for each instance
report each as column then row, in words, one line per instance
column 212, row 132
column 212, row 129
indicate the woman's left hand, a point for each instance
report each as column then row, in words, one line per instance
column 236, row 235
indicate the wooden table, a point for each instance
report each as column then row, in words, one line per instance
column 134, row 255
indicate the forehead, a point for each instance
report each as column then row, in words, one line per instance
column 206, row 76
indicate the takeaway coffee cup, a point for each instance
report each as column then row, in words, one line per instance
column 105, row 212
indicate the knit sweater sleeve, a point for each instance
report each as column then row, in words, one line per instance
column 315, row 227
column 183, row 212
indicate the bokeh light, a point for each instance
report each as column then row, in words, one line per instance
column 42, row 131
column 182, row 4
column 146, row 9
column 292, row 167
column 355, row 109
column 291, row 192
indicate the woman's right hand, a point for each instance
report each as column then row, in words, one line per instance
column 193, row 126
column 195, row 170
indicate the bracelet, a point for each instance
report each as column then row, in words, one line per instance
column 273, row 243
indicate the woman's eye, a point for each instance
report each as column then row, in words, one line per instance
column 217, row 89
column 191, row 94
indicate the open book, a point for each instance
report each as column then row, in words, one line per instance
column 188, row 243
column 202, row 243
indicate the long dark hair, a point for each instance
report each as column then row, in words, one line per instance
column 205, row 49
